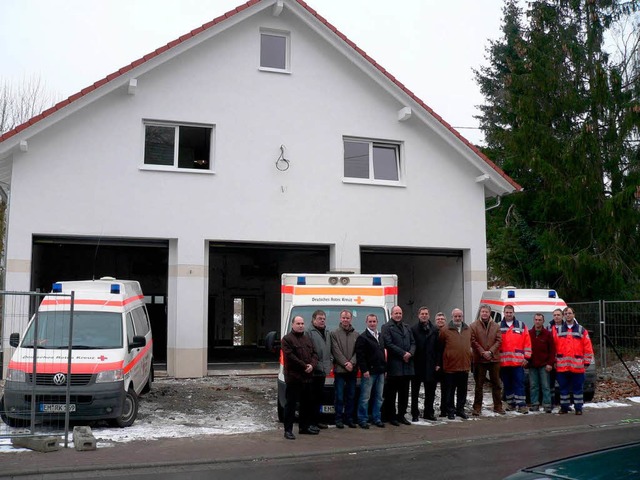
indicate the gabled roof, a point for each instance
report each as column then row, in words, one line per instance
column 225, row 18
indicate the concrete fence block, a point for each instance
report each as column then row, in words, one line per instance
column 39, row 444
column 83, row 439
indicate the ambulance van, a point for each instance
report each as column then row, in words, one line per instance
column 302, row 294
column 111, row 354
column 526, row 303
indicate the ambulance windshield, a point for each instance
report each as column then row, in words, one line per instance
column 91, row 330
column 358, row 315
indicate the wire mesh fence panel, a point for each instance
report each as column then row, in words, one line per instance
column 35, row 364
column 622, row 326
column 589, row 315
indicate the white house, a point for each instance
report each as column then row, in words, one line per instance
column 263, row 142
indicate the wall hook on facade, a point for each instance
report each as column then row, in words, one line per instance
column 282, row 163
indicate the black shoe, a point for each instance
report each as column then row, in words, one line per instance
column 351, row 425
column 451, row 416
column 289, row 436
column 431, row 417
column 364, row 425
column 379, row 424
column 414, row 419
column 308, row 431
column 322, row 426
column 462, row 415
column 395, row 423
column 313, row 428
column 339, row 425
column 404, row 421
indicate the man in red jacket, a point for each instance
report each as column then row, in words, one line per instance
column 574, row 353
column 543, row 354
column 515, row 350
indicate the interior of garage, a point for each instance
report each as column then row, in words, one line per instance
column 244, row 294
column 426, row 277
column 85, row 258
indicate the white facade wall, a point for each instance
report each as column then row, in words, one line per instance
column 83, row 176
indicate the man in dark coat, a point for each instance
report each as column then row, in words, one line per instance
column 400, row 345
column 372, row 364
column 300, row 359
column 425, row 364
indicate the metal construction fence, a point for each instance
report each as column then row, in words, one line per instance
column 619, row 321
column 47, row 342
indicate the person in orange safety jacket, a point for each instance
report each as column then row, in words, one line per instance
column 574, row 352
column 514, row 353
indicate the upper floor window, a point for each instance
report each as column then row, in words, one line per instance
column 274, row 51
column 372, row 161
column 178, row 146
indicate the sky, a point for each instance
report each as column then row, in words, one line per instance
column 431, row 46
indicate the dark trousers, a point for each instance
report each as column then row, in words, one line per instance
column 479, row 375
column 317, row 394
column 429, row 396
column 297, row 392
column 456, row 386
column 396, row 386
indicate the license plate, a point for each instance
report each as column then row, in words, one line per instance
column 328, row 409
column 56, row 407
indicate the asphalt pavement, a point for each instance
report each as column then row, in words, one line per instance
column 272, row 445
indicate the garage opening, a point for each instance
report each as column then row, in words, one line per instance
column 426, row 277
column 85, row 258
column 244, row 294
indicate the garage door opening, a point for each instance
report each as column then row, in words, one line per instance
column 85, row 258
column 426, row 277
column 244, row 295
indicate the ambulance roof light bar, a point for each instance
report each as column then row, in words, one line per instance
column 302, row 280
column 552, row 294
column 57, row 288
column 511, row 294
column 115, row 288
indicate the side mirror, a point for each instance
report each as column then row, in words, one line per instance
column 272, row 342
column 138, row 342
column 14, row 339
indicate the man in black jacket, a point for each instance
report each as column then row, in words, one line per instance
column 300, row 359
column 425, row 364
column 400, row 345
column 371, row 361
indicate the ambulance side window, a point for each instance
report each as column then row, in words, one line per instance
column 496, row 317
column 130, row 330
column 141, row 321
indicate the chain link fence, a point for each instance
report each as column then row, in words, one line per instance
column 28, row 413
column 617, row 321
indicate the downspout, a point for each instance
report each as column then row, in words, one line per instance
column 498, row 202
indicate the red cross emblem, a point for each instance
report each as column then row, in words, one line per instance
column 102, row 358
column 359, row 300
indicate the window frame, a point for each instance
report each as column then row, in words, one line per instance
column 176, row 146
column 287, row 53
column 372, row 143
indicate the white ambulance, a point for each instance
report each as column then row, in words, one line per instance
column 111, row 355
column 302, row 294
column 526, row 302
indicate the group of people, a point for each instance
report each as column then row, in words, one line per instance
column 398, row 359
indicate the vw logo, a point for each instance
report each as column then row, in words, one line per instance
column 59, row 379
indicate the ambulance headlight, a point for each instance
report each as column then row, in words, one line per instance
column 110, row 376
column 14, row 375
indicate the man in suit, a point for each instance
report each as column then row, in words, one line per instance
column 372, row 364
column 401, row 347
column 425, row 363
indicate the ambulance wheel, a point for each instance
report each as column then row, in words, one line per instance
column 147, row 387
column 129, row 410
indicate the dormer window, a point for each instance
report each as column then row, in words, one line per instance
column 274, row 51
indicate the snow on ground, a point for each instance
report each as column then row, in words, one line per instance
column 235, row 415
